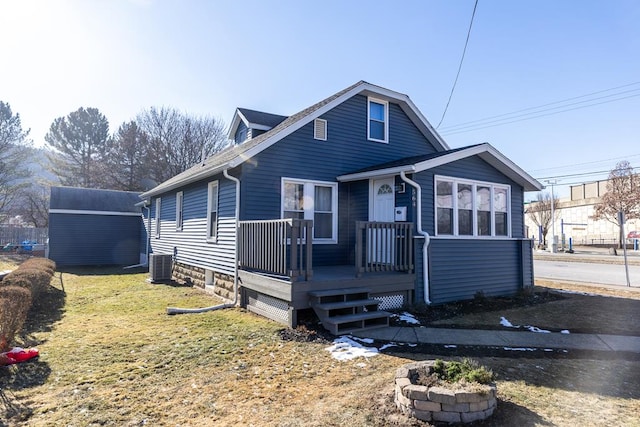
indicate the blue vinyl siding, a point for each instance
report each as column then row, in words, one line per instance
column 241, row 133
column 190, row 242
column 82, row 239
column 461, row 268
column 346, row 150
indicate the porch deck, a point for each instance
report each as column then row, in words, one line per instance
column 296, row 293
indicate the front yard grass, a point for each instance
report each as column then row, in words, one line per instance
column 110, row 355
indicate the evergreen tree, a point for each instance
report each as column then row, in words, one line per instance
column 79, row 143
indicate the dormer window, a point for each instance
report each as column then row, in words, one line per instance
column 378, row 120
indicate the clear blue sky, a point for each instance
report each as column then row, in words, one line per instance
column 208, row 57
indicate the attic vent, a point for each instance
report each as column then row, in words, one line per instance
column 320, row 129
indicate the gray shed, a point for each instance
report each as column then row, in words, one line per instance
column 95, row 227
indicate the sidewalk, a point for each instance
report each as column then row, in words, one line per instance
column 504, row 339
column 589, row 254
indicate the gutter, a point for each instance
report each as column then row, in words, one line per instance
column 176, row 310
column 424, row 234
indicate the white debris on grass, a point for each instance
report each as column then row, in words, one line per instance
column 345, row 348
column 504, row 322
column 565, row 331
column 537, row 330
column 407, row 318
column 364, row 340
column 388, row 345
column 450, row 346
column 519, row 349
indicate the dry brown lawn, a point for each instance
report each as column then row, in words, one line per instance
column 111, row 356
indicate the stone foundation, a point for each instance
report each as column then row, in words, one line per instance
column 195, row 276
column 439, row 403
column 189, row 275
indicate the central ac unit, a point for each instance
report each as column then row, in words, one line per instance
column 160, row 267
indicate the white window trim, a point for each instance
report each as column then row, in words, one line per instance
column 326, row 130
column 213, row 238
column 158, row 222
column 386, row 119
column 179, row 210
column 474, row 185
column 308, row 211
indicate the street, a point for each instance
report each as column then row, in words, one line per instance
column 608, row 274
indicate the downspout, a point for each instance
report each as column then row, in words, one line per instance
column 176, row 310
column 424, row 234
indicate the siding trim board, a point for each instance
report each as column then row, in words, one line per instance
column 88, row 212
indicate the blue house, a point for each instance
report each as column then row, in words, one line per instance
column 349, row 207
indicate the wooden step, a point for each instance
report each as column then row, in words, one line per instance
column 346, row 304
column 340, row 291
column 345, row 324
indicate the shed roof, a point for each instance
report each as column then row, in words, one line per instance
column 90, row 199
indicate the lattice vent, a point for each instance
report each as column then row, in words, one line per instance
column 390, row 302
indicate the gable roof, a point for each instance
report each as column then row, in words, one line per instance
column 93, row 200
column 416, row 164
column 253, row 119
column 236, row 155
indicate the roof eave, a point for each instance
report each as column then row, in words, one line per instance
column 375, row 173
column 206, row 172
column 490, row 155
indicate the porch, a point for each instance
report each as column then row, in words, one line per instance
column 278, row 275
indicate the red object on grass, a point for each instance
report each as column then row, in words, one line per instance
column 17, row 355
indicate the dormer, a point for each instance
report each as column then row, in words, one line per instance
column 248, row 124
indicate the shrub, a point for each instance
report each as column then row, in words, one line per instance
column 16, row 280
column 40, row 279
column 14, row 306
column 465, row 371
column 40, row 264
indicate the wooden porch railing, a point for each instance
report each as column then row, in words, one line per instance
column 277, row 247
column 384, row 246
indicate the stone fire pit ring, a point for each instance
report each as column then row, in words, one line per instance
column 439, row 403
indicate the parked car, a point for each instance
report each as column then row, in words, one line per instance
column 633, row 235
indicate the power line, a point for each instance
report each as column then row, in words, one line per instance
column 586, row 163
column 540, row 115
column 480, row 125
column 542, row 105
column 464, row 51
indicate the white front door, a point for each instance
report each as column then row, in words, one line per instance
column 382, row 245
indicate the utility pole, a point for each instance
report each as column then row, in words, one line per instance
column 554, row 243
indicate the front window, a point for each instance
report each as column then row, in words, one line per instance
column 212, row 211
column 378, row 120
column 317, row 201
column 478, row 208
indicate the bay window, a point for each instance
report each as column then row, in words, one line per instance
column 470, row 208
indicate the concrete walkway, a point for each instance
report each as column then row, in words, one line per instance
column 504, row 339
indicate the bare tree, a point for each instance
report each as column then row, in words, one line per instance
column 79, row 144
column 14, row 153
column 178, row 141
column 33, row 205
column 623, row 195
column 540, row 213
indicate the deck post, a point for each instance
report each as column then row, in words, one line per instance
column 294, row 271
column 359, row 251
column 309, row 250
